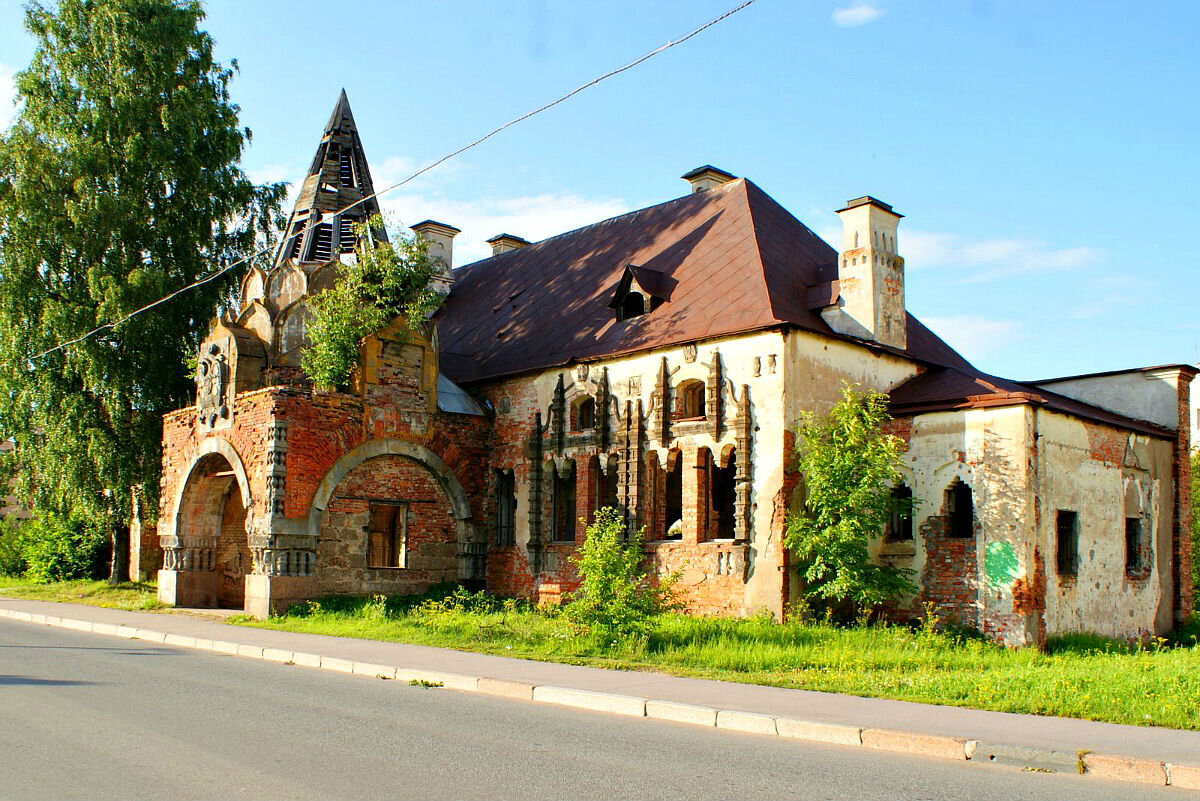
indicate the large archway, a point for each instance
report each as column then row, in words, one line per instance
column 212, row 556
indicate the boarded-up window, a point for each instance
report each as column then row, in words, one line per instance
column 506, row 507
column 387, row 535
column 1067, row 542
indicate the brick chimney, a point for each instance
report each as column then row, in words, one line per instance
column 870, row 275
column 502, row 243
column 707, row 177
column 441, row 248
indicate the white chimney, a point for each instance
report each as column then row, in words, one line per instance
column 706, row 177
column 441, row 248
column 870, row 275
column 502, row 243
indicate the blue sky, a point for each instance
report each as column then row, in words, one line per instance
column 1043, row 152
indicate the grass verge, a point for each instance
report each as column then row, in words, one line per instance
column 1084, row 678
column 131, row 596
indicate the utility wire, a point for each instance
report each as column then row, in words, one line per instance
column 398, row 184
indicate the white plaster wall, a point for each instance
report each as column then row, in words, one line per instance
column 754, row 360
column 1142, row 395
column 1102, row 599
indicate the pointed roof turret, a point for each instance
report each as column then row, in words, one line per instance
column 339, row 177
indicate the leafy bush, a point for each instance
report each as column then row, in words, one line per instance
column 12, row 551
column 386, row 280
column 56, row 549
column 615, row 599
column 850, row 467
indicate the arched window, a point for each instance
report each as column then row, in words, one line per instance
column 583, row 414
column 562, row 500
column 689, row 401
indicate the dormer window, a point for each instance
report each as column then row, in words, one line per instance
column 640, row 291
column 634, row 305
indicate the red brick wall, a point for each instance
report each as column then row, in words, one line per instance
column 950, row 578
column 431, row 552
column 1181, row 540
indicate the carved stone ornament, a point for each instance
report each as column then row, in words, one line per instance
column 689, row 352
column 212, row 379
column 581, row 372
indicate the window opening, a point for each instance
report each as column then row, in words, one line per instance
column 506, row 507
column 563, row 504
column 584, row 414
column 899, row 527
column 724, row 497
column 674, row 497
column 387, row 537
column 689, row 401
column 634, row 305
column 346, row 234
column 298, row 237
column 1067, row 545
column 321, row 248
column 960, row 508
column 1135, row 562
column 345, row 169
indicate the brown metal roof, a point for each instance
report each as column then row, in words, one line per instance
column 727, row 261
column 948, row 388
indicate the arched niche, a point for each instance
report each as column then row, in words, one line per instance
column 291, row 333
column 254, row 287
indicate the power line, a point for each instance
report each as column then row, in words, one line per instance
column 398, row 184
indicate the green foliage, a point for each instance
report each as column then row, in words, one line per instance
column 850, row 467
column 58, row 549
column 387, row 280
column 119, row 183
column 615, row 599
column 12, row 549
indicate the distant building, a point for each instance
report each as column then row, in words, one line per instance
column 656, row 362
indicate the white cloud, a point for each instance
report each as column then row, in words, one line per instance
column 533, row 217
column 8, row 95
column 989, row 259
column 975, row 337
column 857, row 14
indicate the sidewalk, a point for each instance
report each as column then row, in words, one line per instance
column 1129, row 753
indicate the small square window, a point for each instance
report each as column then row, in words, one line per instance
column 387, row 535
column 1067, row 545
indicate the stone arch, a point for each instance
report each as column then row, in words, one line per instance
column 222, row 447
column 470, row 567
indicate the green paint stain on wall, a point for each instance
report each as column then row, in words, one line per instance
column 1000, row 565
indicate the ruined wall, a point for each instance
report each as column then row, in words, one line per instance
column 430, row 543
column 1106, row 475
column 718, row 575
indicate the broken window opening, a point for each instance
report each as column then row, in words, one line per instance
column 583, row 414
column 724, row 496
column 673, row 497
column 689, row 401
column 345, row 169
column 960, row 509
column 1067, row 543
column 900, row 525
column 506, row 508
column 387, row 535
column 297, row 238
column 346, row 234
column 321, row 246
column 562, row 498
column 1135, row 546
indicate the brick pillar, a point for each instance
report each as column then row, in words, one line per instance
column 1181, row 531
column 695, row 505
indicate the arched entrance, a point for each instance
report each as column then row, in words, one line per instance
column 209, row 552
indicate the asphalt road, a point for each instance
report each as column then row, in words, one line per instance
column 88, row 716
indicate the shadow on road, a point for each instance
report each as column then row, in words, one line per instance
column 30, row 680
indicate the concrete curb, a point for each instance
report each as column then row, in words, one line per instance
column 1114, row 767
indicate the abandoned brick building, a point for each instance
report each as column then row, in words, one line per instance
column 654, row 362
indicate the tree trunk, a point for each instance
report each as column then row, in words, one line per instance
column 119, row 569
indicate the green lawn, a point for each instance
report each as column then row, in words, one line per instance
column 1080, row 677
column 93, row 593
